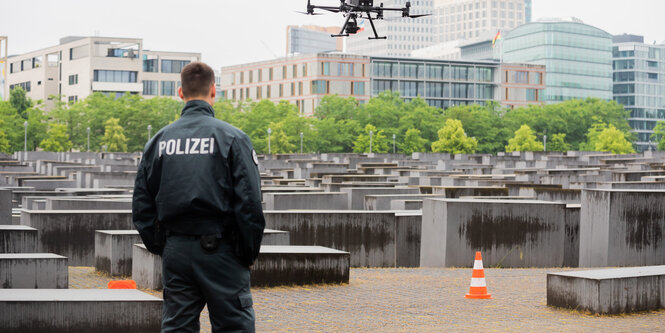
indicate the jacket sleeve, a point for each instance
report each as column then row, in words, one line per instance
column 247, row 199
column 144, row 211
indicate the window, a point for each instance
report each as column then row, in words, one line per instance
column 150, row 87
column 325, row 68
column 299, row 88
column 293, row 88
column 251, row 76
column 242, row 77
column 24, row 85
column 357, row 88
column 535, row 78
column 295, row 71
column 268, row 91
column 345, row 69
column 652, row 76
column 150, row 65
column 281, row 90
column 114, row 76
column 73, row 79
column 320, row 86
column 168, row 88
column 283, row 72
column 72, row 98
column 304, row 70
column 259, row 94
column 173, row 66
column 260, row 75
column 270, row 74
column 531, row 95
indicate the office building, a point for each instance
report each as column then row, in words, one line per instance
column 79, row 66
column 639, row 84
column 403, row 34
column 468, row 19
column 446, row 83
column 309, row 39
column 304, row 80
column 578, row 57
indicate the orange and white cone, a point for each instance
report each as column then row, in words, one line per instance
column 478, row 287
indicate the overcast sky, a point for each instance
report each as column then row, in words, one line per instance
column 233, row 32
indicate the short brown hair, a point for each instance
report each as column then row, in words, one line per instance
column 196, row 78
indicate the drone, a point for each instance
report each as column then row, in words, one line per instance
column 360, row 9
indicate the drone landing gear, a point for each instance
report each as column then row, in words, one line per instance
column 371, row 22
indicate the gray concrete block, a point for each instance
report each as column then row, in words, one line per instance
column 72, row 233
column 408, row 226
column 33, row 270
column 356, row 195
column 608, row 291
column 275, row 237
column 622, row 228
column 368, row 235
column 300, row 265
column 18, row 239
column 5, row 206
column 146, row 268
column 571, row 249
column 79, row 310
column 113, row 251
column 88, row 204
column 286, row 201
column 509, row 233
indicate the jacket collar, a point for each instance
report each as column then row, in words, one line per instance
column 198, row 106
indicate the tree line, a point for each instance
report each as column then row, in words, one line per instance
column 339, row 125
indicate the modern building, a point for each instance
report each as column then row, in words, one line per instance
column 468, row 19
column 578, row 57
column 309, row 39
column 304, row 80
column 403, row 34
column 79, row 66
column 446, row 83
column 639, row 84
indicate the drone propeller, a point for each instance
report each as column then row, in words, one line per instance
column 419, row 15
column 306, row 13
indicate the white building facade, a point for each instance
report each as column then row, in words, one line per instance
column 79, row 66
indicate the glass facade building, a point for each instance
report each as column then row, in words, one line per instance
column 577, row 57
column 441, row 83
column 639, row 84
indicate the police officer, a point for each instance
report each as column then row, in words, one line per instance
column 197, row 202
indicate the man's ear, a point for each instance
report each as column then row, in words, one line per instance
column 213, row 92
column 180, row 93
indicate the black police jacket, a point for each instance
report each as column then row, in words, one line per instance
column 199, row 175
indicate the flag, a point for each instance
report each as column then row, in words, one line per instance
column 361, row 25
column 498, row 35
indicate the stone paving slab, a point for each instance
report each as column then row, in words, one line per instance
column 417, row 300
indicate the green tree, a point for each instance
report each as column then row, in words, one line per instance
column 20, row 101
column 485, row 123
column 279, row 141
column 333, row 106
column 452, row 139
column 558, row 143
column 659, row 134
column 378, row 140
column 611, row 139
column 114, row 138
column 56, row 139
column 413, row 142
column 592, row 136
column 335, row 136
column 5, row 147
column 524, row 140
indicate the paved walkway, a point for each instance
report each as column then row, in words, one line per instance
column 417, row 300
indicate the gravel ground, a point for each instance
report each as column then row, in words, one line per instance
column 417, row 300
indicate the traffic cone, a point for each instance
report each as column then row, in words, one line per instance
column 122, row 284
column 478, row 287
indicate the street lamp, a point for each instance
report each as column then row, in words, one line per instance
column 269, row 131
column 371, row 135
column 88, row 130
column 394, row 136
column 25, row 136
column 301, row 136
column 149, row 131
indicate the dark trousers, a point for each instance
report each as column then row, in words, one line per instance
column 193, row 277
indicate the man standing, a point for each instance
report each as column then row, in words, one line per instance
column 197, row 202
